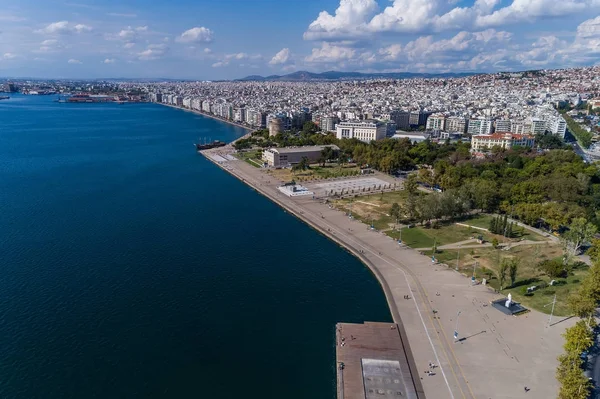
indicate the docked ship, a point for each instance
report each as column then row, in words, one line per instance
column 208, row 146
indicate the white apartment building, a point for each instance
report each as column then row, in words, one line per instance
column 538, row 126
column 436, row 122
column 558, row 126
column 366, row 131
column 456, row 124
column 503, row 125
column 480, row 126
column 484, row 142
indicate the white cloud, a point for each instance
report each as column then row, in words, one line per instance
column 109, row 61
column 153, row 52
column 64, row 28
column 359, row 18
column 82, row 28
column 329, row 53
column 283, row 57
column 391, row 52
column 8, row 56
column 207, row 50
column 220, row 64
column 589, row 29
column 350, row 15
column 130, row 34
column 74, row 61
column 531, row 10
column 128, row 45
column 49, row 42
column 196, row 35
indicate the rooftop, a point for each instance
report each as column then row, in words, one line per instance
column 288, row 150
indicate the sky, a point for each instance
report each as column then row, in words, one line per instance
column 228, row 39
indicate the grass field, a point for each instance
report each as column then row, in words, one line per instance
column 253, row 157
column 487, row 262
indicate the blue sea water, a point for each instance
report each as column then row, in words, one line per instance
column 131, row 267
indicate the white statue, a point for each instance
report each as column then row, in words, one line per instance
column 508, row 301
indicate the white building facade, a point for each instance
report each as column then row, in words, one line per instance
column 366, row 131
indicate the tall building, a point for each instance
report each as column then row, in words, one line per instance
column 456, row 124
column 479, row 126
column 436, row 122
column 10, row 87
column 419, row 118
column 503, row 125
column 363, row 130
column 538, row 126
column 328, row 123
column 402, row 118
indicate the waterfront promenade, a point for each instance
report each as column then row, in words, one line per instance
column 209, row 116
column 496, row 356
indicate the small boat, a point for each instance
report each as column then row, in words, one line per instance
column 4, row 97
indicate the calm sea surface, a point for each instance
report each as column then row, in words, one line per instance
column 131, row 267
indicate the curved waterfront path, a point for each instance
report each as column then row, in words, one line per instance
column 496, row 355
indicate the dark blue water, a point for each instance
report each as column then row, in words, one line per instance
column 131, row 267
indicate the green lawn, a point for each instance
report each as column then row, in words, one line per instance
column 253, row 157
column 479, row 220
column 483, row 221
column 487, row 261
column 448, row 233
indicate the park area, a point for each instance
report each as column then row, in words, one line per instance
column 457, row 243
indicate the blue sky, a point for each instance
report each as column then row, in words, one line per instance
column 222, row 39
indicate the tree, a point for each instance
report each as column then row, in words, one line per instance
column 582, row 303
column 395, row 211
column 580, row 232
column 502, row 273
column 512, row 271
column 578, row 338
column 302, row 165
column 574, row 385
column 553, row 268
column 411, row 184
column 495, row 242
column 594, row 251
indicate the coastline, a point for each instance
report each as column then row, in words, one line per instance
column 401, row 270
column 195, row 111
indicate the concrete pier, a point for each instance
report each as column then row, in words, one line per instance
column 374, row 361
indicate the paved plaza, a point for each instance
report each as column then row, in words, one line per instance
column 349, row 185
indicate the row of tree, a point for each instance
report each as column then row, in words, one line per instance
column 580, row 337
column 500, row 225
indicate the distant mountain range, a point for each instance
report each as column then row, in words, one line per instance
column 334, row 75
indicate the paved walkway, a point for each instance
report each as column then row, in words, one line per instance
column 496, row 355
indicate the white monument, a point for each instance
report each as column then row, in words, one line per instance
column 508, row 301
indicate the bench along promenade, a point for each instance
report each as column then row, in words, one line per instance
column 494, row 355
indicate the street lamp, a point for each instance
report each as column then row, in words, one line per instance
column 456, row 328
column 457, row 258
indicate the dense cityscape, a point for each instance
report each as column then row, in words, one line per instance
column 502, row 109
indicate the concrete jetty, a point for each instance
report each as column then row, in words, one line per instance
column 493, row 356
column 375, row 361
